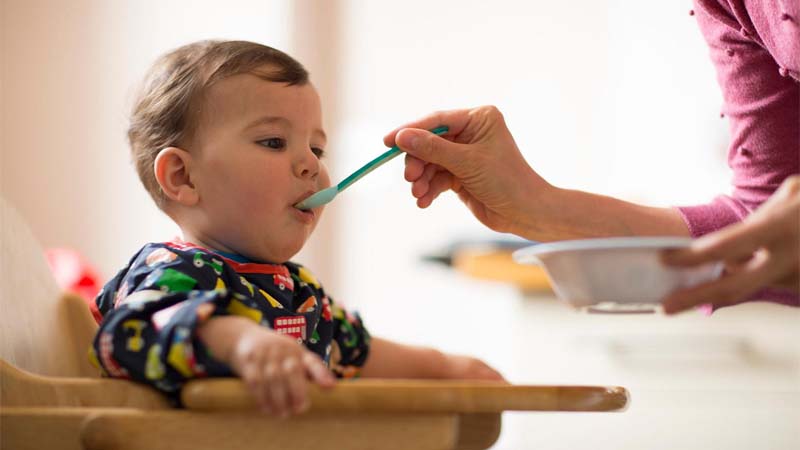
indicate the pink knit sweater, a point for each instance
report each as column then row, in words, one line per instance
column 755, row 47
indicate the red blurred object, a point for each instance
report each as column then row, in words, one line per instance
column 73, row 273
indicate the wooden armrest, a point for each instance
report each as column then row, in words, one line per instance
column 421, row 396
column 358, row 414
column 22, row 388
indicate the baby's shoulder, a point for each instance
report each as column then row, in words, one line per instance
column 156, row 254
column 174, row 263
column 303, row 274
column 158, row 266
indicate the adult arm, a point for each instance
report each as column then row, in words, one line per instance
column 479, row 160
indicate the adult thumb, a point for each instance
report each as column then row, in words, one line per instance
column 427, row 146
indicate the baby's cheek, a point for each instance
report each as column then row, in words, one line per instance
column 257, row 195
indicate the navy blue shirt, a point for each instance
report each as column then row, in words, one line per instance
column 151, row 310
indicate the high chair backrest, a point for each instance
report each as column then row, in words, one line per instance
column 41, row 330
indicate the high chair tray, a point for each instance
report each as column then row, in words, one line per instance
column 384, row 395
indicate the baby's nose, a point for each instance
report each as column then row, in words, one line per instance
column 307, row 166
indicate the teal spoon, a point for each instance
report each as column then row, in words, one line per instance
column 326, row 195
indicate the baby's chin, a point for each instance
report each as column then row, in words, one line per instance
column 282, row 253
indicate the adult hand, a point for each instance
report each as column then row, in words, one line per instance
column 477, row 159
column 761, row 251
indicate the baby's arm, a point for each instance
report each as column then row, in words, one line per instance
column 389, row 359
column 359, row 354
column 174, row 315
column 275, row 367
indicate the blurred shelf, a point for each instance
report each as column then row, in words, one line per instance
column 498, row 265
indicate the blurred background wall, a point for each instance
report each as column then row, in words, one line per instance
column 613, row 96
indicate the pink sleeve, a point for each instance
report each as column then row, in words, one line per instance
column 721, row 212
column 755, row 48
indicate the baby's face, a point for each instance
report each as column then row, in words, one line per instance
column 256, row 152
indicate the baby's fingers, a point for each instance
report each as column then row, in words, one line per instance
column 296, row 384
column 489, row 373
column 277, row 391
column 253, row 376
column 317, row 371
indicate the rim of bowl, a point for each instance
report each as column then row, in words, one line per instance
column 529, row 255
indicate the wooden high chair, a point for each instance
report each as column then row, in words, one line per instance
column 51, row 397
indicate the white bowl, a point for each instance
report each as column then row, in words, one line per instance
column 615, row 274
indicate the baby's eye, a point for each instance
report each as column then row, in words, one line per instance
column 274, row 143
column 319, row 152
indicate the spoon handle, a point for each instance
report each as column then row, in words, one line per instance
column 377, row 162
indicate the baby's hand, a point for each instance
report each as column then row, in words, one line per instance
column 277, row 369
column 469, row 368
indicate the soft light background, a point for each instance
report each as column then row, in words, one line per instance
column 613, row 96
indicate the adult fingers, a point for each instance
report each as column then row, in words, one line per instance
column 431, row 148
column 791, row 281
column 414, row 168
column 786, row 262
column 734, row 243
column 441, row 182
column 420, row 186
column 455, row 120
column 726, row 290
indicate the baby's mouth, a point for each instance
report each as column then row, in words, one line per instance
column 305, row 216
column 301, row 198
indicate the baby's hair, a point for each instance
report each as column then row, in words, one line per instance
column 168, row 106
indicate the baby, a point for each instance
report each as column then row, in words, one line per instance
column 227, row 136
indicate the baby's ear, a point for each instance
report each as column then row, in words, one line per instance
column 172, row 169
